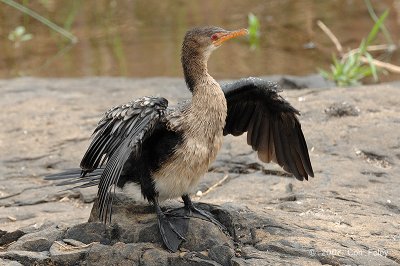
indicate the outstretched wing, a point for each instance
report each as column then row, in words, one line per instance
column 272, row 127
column 117, row 138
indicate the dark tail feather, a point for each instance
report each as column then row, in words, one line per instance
column 77, row 176
column 74, row 173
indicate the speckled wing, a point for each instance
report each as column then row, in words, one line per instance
column 271, row 123
column 119, row 136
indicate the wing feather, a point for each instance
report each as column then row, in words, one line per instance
column 117, row 138
column 273, row 130
column 243, row 121
column 256, row 134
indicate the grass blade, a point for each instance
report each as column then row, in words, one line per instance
column 44, row 20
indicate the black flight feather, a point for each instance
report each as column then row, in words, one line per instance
column 254, row 106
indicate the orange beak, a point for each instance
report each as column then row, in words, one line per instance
column 224, row 36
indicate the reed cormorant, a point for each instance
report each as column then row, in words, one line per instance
column 165, row 150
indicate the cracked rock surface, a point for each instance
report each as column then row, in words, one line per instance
column 349, row 214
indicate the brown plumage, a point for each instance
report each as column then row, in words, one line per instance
column 163, row 151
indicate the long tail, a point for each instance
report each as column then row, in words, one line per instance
column 77, row 176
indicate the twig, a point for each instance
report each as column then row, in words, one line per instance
column 387, row 66
column 331, row 36
column 380, row 47
column 388, row 47
column 69, row 247
column 215, row 185
column 12, row 218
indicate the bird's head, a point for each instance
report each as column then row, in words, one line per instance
column 197, row 47
column 204, row 40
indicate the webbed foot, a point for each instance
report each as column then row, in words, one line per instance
column 172, row 229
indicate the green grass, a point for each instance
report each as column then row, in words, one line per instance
column 254, row 30
column 351, row 69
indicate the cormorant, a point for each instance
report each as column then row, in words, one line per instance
column 165, row 150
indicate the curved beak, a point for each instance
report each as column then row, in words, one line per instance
column 224, row 36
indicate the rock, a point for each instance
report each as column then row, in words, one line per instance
column 347, row 214
column 38, row 244
column 9, row 262
column 63, row 253
column 118, row 254
column 203, row 235
column 192, row 258
column 240, row 262
column 9, row 237
column 90, row 232
column 27, row 257
column 342, row 109
column 88, row 195
column 156, row 257
column 136, row 222
column 222, row 254
column 149, row 233
column 38, row 241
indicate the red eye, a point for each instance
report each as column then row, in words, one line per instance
column 214, row 37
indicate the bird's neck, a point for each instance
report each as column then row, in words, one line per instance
column 208, row 106
column 203, row 87
column 195, row 70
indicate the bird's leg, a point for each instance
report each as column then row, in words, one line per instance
column 194, row 211
column 172, row 229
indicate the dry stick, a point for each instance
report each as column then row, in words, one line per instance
column 215, row 185
column 387, row 66
column 69, row 247
column 331, row 36
column 380, row 47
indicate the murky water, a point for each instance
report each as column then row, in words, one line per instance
column 143, row 38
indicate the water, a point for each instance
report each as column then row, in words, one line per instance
column 143, row 38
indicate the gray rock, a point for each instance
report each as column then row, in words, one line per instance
column 9, row 263
column 342, row 109
column 203, row 235
column 347, row 214
column 239, row 262
column 193, row 259
column 38, row 244
column 222, row 254
column 156, row 257
column 38, row 241
column 9, row 237
column 118, row 254
column 64, row 254
column 149, row 233
column 136, row 222
column 88, row 195
column 90, row 232
column 27, row 257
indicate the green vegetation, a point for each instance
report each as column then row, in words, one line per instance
column 72, row 38
column 356, row 64
column 254, row 30
column 19, row 35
